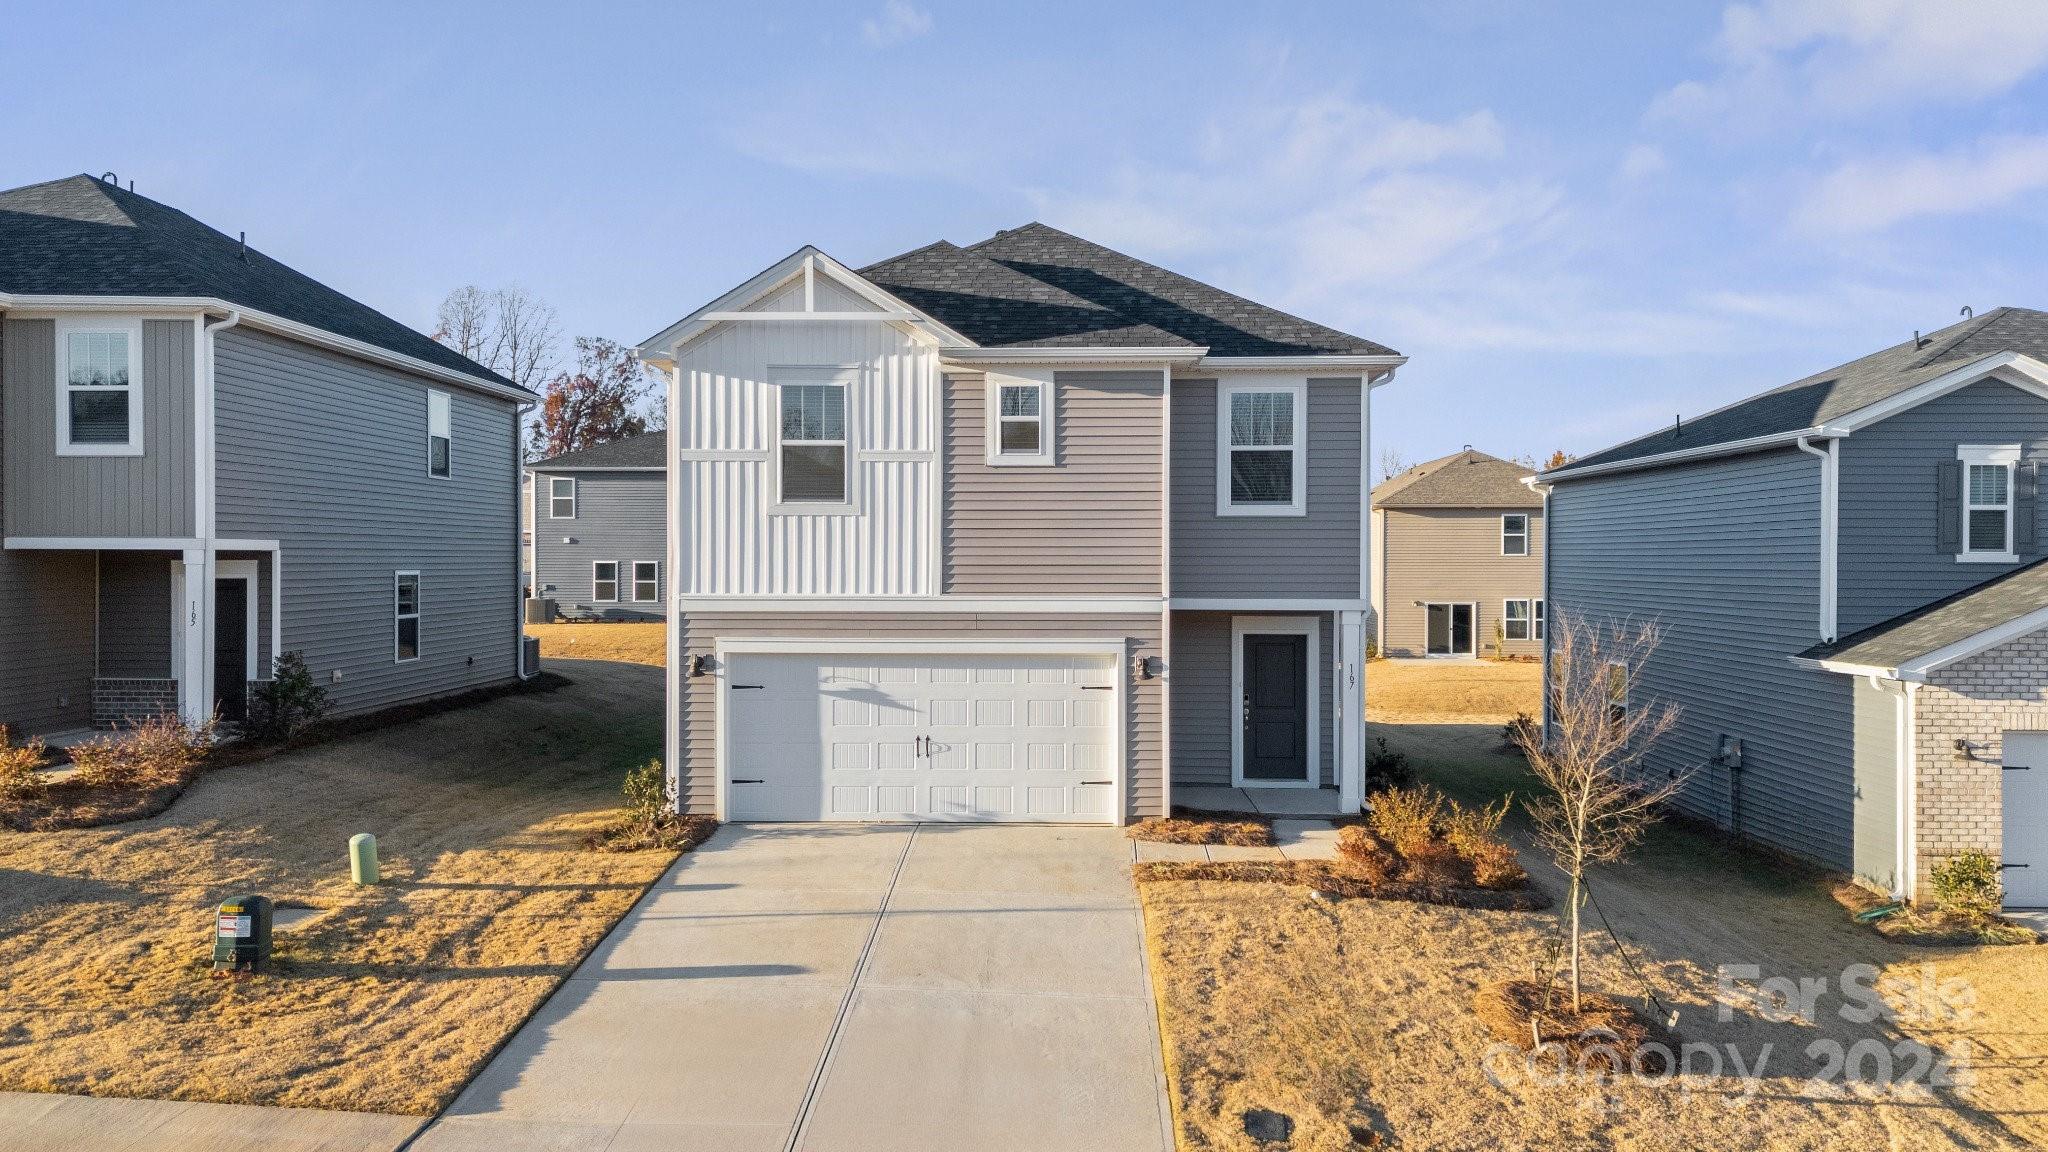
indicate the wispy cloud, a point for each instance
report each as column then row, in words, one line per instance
column 896, row 22
column 1642, row 162
column 1869, row 195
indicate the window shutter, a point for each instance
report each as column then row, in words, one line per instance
column 2024, row 528
column 1948, row 531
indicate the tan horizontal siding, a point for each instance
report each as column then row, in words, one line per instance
column 1452, row 555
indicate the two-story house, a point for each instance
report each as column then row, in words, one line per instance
column 1457, row 552
column 1026, row 530
column 1847, row 575
column 599, row 529
column 208, row 459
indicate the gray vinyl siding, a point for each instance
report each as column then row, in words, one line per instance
column 620, row 516
column 1889, row 559
column 1089, row 524
column 1876, row 844
column 327, row 455
column 1452, row 555
column 697, row 759
column 46, row 647
column 1271, row 556
column 1203, row 710
column 1724, row 556
column 135, row 615
column 141, row 496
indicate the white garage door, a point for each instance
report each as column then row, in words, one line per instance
column 920, row 737
column 2025, row 782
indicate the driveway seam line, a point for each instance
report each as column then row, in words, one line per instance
column 860, row 967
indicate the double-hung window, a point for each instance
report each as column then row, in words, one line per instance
column 1514, row 534
column 1517, row 620
column 646, row 581
column 1537, row 618
column 405, row 614
column 1261, row 449
column 561, row 497
column 99, row 387
column 438, row 440
column 811, row 447
column 1617, row 694
column 604, row 581
column 1987, row 504
column 1020, row 427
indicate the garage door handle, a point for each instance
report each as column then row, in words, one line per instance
column 1112, row 782
column 2019, row 768
column 744, row 687
column 1095, row 687
column 2002, row 867
column 750, row 781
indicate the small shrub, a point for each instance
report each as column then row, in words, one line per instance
column 1496, row 865
column 19, row 778
column 1967, row 884
column 1387, row 767
column 649, row 820
column 287, row 703
column 1364, row 855
column 1500, row 641
column 1472, row 830
column 1436, row 863
column 1372, row 649
column 1521, row 732
column 154, row 753
column 647, row 795
column 1406, row 817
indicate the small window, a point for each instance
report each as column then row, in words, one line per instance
column 1517, row 621
column 646, row 581
column 1617, row 694
column 406, row 613
column 1514, row 534
column 813, row 444
column 1262, row 466
column 604, row 581
column 562, row 497
column 99, row 385
column 1538, row 616
column 1987, row 515
column 1020, row 425
column 437, row 434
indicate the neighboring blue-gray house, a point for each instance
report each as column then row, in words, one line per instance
column 209, row 458
column 600, row 529
column 1847, row 575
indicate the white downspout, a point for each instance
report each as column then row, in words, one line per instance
column 204, row 510
column 1830, row 479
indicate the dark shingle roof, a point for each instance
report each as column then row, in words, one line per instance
column 1935, row 626
column 647, row 450
column 1466, row 479
column 1839, row 391
column 1042, row 287
column 84, row 237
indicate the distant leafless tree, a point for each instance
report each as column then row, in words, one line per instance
column 1595, row 804
column 508, row 330
column 1392, row 463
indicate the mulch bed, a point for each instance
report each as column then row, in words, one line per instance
column 1926, row 926
column 1340, row 879
column 1188, row 826
column 1602, row 1024
column 674, row 834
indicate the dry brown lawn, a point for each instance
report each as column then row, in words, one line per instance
column 632, row 641
column 1359, row 1014
column 1399, row 691
column 394, row 995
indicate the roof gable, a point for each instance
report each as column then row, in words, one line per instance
column 790, row 285
column 998, row 306
column 1466, row 479
column 648, row 450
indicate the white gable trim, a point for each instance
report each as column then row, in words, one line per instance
column 1916, row 670
column 806, row 263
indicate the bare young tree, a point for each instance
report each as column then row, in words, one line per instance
column 508, row 330
column 1392, row 463
column 1596, row 803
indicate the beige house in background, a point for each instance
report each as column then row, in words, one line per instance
column 1458, row 559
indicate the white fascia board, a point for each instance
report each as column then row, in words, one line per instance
column 1254, row 604
column 2021, row 371
column 1849, row 668
column 952, row 357
column 1092, row 605
column 1340, row 365
column 549, row 470
column 1704, row 452
column 1111, row 647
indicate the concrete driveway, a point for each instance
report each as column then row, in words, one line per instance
column 848, row 987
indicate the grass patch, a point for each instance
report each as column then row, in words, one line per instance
column 1927, row 926
column 1337, row 878
column 1452, row 690
column 1188, row 826
column 395, row 995
column 633, row 641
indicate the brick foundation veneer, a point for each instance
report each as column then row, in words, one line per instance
column 119, row 702
column 1958, row 800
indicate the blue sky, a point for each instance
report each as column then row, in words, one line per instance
column 1578, row 219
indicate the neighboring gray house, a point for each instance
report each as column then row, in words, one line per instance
column 1855, row 622
column 600, row 533
column 1026, row 530
column 1458, row 559
column 208, row 459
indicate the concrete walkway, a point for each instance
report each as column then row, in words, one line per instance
column 46, row 1123
column 841, row 988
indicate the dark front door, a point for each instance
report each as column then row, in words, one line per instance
column 231, row 648
column 1275, row 708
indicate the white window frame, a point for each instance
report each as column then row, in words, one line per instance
column 417, row 616
column 1454, row 654
column 1970, row 456
column 992, row 435
column 1528, row 621
column 1618, row 708
column 439, row 423
column 1536, row 618
column 1298, row 505
column 655, row 580
column 844, row 378
column 1506, row 535
column 595, row 580
column 129, row 326
column 552, row 498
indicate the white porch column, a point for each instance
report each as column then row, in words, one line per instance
column 1350, row 718
column 195, row 646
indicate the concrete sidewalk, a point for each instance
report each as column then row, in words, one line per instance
column 49, row 1123
column 848, row 987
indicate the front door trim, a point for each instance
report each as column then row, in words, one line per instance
column 1311, row 627
column 247, row 572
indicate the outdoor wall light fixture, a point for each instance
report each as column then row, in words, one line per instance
column 1149, row 666
column 700, row 665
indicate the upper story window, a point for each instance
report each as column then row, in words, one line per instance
column 1261, row 450
column 1514, row 534
column 1987, row 503
column 437, row 433
column 99, row 387
column 561, row 497
column 811, row 445
column 405, row 613
column 1020, row 427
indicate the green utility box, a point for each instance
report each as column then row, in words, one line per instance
column 241, row 935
